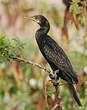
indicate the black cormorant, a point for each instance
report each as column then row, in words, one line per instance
column 55, row 55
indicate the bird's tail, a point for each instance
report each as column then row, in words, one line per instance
column 73, row 91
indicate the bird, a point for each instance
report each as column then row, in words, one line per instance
column 55, row 55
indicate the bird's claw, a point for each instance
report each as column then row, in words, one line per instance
column 54, row 78
column 56, row 74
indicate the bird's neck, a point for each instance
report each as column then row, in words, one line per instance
column 43, row 30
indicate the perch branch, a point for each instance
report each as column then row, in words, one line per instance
column 32, row 63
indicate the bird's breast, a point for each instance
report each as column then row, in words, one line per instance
column 40, row 39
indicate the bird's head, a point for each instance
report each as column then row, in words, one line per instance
column 39, row 19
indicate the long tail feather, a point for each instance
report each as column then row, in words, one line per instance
column 73, row 91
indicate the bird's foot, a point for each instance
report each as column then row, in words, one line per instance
column 56, row 74
column 54, row 77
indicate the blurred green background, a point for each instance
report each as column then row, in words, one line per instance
column 22, row 85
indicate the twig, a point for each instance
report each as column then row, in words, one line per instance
column 32, row 63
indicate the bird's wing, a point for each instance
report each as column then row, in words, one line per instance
column 55, row 54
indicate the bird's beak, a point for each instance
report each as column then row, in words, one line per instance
column 32, row 18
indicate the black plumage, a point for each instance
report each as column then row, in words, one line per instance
column 55, row 55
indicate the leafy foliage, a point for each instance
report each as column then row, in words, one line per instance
column 9, row 48
column 4, row 47
column 76, row 8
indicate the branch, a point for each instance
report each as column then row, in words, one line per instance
column 32, row 63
